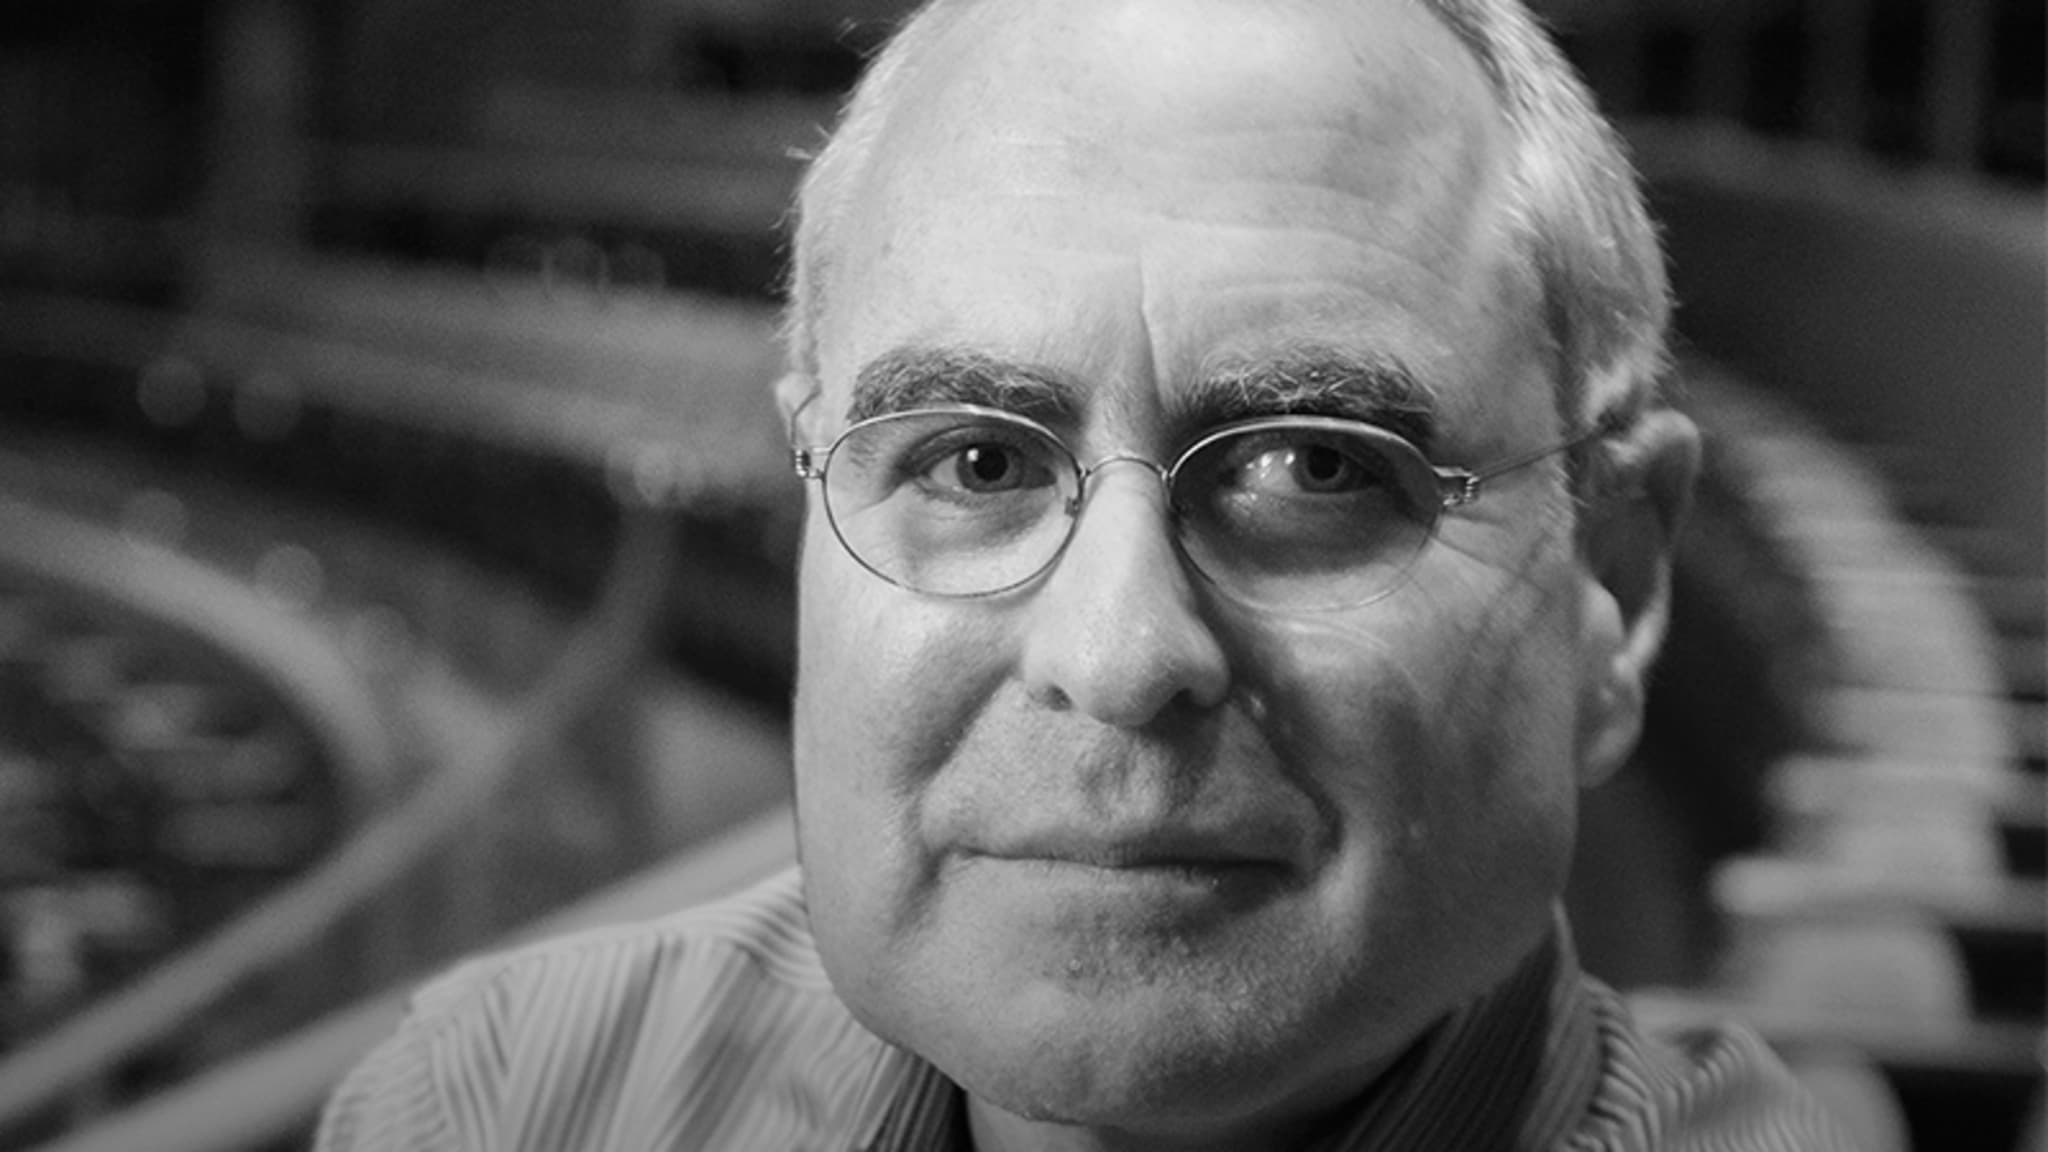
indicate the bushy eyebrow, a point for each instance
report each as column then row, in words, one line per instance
column 1313, row 381
column 919, row 377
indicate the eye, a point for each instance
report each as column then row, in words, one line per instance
column 1285, row 467
column 992, row 467
column 1321, row 468
column 972, row 462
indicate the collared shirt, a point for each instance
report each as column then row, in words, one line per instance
column 716, row 1028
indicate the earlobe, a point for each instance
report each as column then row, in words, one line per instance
column 1612, row 678
column 1641, row 485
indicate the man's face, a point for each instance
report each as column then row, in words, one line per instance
column 1113, row 848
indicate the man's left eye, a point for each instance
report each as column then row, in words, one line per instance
column 1307, row 468
column 1321, row 468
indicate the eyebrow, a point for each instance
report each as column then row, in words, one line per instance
column 918, row 377
column 1310, row 380
column 1315, row 380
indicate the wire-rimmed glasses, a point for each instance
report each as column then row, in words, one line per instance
column 1287, row 512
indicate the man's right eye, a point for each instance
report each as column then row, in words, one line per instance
column 983, row 467
column 987, row 468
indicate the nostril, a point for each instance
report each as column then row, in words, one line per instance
column 1052, row 698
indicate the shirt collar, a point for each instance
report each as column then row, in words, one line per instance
column 1513, row 1069
column 909, row 1106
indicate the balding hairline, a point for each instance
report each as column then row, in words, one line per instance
column 1575, row 204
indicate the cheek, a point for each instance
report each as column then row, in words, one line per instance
column 886, row 680
column 1436, row 730
column 886, row 684
column 1507, row 745
column 1355, row 725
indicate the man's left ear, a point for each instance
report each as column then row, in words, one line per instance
column 1637, row 490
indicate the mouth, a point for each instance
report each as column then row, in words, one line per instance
column 1162, row 860
column 1115, row 888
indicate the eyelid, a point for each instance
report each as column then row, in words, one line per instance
column 921, row 449
column 1281, row 422
column 1003, row 433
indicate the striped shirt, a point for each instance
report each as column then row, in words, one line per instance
column 716, row 1028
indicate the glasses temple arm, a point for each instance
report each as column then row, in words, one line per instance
column 1460, row 487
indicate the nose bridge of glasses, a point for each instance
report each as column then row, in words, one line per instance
column 1090, row 472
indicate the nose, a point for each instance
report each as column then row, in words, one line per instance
column 1116, row 631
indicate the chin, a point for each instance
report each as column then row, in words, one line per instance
column 1156, row 1058
column 1150, row 1087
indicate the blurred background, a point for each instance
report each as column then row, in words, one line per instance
column 396, row 541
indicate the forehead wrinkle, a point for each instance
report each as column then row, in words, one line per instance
column 911, row 377
column 1315, row 380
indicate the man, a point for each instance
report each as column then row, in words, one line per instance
column 1238, row 524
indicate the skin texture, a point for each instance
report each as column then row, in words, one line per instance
column 1137, row 866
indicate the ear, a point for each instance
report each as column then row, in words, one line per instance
column 1638, row 487
column 792, row 391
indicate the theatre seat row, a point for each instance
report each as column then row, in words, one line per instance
column 466, row 757
column 1889, row 935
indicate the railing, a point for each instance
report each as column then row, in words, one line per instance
column 332, row 401
column 471, row 764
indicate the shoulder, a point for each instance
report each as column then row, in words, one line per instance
column 759, row 937
column 572, row 1041
column 1717, row 1087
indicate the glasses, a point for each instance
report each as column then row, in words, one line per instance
column 1288, row 512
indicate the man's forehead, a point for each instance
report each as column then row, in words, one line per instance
column 1374, row 67
column 1275, row 114
column 1067, row 180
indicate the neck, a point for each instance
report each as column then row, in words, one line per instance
column 1494, row 1049
column 1292, row 1128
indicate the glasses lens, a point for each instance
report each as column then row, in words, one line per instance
column 1304, row 513
column 951, row 503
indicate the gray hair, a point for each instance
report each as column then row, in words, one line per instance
column 1577, row 207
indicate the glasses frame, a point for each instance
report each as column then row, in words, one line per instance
column 1453, row 487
